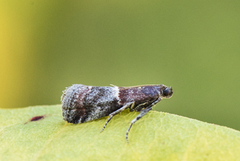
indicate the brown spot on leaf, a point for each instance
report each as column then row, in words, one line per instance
column 36, row 118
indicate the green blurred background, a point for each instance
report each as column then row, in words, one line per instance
column 193, row 46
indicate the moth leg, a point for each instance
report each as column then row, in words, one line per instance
column 131, row 104
column 142, row 113
column 138, row 108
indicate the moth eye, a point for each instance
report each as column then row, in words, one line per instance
column 166, row 91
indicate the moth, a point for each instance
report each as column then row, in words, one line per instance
column 81, row 103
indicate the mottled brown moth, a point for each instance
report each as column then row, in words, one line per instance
column 81, row 103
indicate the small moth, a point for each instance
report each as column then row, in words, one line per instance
column 81, row 103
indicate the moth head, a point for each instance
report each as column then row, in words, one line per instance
column 166, row 92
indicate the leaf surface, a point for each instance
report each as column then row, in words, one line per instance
column 157, row 136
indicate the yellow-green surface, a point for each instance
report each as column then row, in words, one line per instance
column 157, row 136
